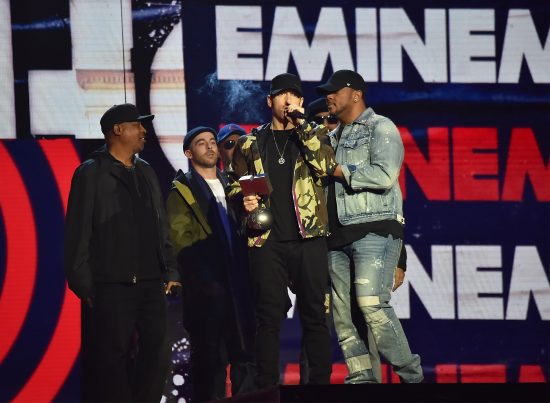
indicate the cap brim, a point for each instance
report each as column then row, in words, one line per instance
column 278, row 91
column 145, row 118
column 327, row 88
column 219, row 140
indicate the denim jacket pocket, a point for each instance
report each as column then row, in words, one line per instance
column 355, row 150
column 354, row 142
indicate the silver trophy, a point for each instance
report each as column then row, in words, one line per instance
column 260, row 219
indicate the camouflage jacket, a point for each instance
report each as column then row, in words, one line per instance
column 314, row 164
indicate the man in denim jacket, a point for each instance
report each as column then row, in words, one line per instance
column 365, row 208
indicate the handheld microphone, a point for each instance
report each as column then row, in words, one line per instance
column 296, row 114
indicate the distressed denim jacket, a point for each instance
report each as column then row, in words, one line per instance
column 370, row 152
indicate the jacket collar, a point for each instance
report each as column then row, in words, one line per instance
column 186, row 185
column 114, row 166
column 364, row 116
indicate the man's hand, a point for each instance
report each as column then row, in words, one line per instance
column 338, row 174
column 291, row 108
column 172, row 287
column 250, row 203
column 398, row 278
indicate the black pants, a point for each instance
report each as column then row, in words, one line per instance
column 304, row 362
column 215, row 343
column 274, row 266
column 125, row 353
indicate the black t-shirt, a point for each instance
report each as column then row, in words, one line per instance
column 285, row 225
column 146, row 226
column 341, row 235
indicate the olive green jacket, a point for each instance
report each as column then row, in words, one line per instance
column 314, row 164
column 188, row 228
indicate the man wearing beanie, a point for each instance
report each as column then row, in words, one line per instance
column 217, row 301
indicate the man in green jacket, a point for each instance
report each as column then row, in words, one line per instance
column 216, row 303
column 293, row 251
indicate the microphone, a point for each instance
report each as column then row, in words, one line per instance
column 296, row 114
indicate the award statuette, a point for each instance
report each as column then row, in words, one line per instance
column 261, row 218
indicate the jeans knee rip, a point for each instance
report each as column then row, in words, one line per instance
column 362, row 281
column 375, row 316
column 347, row 340
column 368, row 301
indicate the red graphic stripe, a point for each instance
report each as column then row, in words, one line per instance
column 21, row 251
column 62, row 352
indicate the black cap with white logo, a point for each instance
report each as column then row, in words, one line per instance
column 341, row 79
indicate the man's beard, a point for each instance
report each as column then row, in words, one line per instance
column 205, row 162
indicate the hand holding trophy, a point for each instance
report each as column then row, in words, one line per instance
column 255, row 188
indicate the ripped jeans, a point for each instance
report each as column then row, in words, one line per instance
column 369, row 264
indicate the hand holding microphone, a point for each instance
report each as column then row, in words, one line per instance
column 296, row 114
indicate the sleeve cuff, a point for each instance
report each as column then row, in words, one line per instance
column 347, row 171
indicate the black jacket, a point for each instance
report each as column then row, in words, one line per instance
column 100, row 236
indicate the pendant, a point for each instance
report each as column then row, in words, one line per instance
column 281, row 160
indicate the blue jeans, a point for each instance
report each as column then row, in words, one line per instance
column 369, row 264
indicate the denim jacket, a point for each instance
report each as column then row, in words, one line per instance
column 370, row 152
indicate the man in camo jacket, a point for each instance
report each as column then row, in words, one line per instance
column 297, row 158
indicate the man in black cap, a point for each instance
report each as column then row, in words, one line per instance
column 317, row 111
column 217, row 297
column 366, row 221
column 119, row 262
column 293, row 251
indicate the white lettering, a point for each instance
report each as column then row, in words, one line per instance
column 470, row 282
column 466, row 42
column 7, row 97
column 528, row 277
column 521, row 40
column 366, row 29
column 429, row 57
column 437, row 292
column 288, row 38
column 435, row 287
column 231, row 43
column 469, row 57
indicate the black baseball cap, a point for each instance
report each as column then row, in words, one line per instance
column 341, row 79
column 314, row 107
column 285, row 81
column 120, row 114
column 191, row 134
